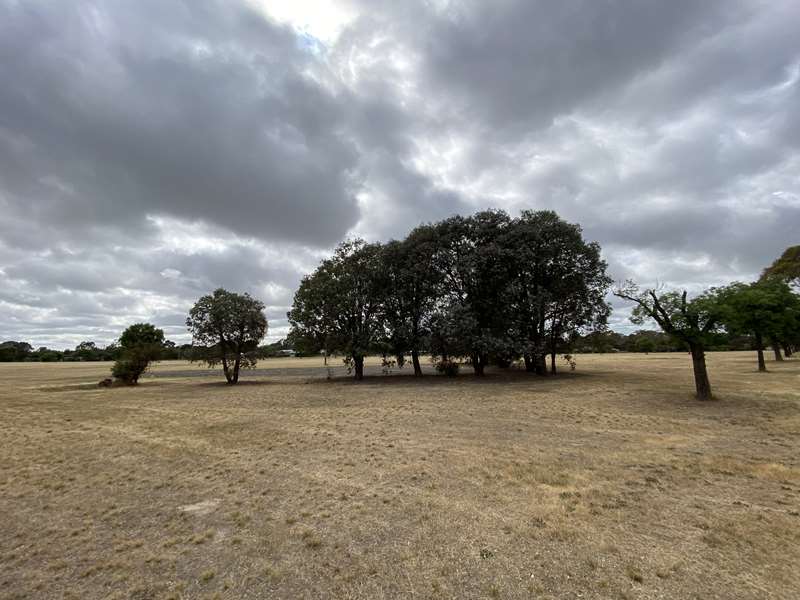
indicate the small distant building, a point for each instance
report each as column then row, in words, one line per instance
column 287, row 352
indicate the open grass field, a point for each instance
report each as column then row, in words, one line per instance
column 609, row 482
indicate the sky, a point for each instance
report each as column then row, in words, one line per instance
column 152, row 151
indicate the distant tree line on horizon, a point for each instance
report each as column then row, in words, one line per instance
column 643, row 340
column 14, row 351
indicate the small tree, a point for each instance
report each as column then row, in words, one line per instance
column 140, row 344
column 227, row 328
column 691, row 322
column 766, row 310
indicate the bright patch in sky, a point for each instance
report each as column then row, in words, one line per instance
column 323, row 20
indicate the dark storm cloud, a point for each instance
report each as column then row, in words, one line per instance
column 152, row 151
column 115, row 110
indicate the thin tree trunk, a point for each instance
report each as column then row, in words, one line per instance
column 762, row 365
column 701, row 382
column 477, row 364
column 529, row 363
column 553, row 362
column 226, row 369
column 787, row 350
column 540, row 363
column 358, row 361
column 776, row 348
column 415, row 362
column 236, row 366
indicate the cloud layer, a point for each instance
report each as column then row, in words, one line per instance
column 152, row 151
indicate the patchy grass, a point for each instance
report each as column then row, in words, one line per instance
column 609, row 482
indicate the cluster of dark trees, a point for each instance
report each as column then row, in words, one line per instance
column 486, row 288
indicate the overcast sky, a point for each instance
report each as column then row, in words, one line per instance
column 151, row 151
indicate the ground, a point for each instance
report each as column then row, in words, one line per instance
column 607, row 482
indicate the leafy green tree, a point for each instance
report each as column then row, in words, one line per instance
column 409, row 285
column 226, row 328
column 12, row 351
column 786, row 267
column 475, row 267
column 689, row 321
column 557, row 286
column 766, row 309
column 338, row 307
column 140, row 344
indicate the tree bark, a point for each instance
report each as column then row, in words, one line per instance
column 701, row 382
column 776, row 348
column 553, row 362
column 236, row 366
column 477, row 364
column 226, row 369
column 529, row 364
column 540, row 363
column 787, row 350
column 358, row 361
column 415, row 362
column 762, row 365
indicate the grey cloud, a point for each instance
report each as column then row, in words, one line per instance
column 207, row 114
column 669, row 130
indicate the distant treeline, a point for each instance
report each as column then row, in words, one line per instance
column 12, row 351
column 647, row 340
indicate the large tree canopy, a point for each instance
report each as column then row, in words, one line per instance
column 486, row 287
column 227, row 328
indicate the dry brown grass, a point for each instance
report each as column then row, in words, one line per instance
column 610, row 482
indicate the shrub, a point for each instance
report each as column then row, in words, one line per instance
column 129, row 369
column 141, row 344
column 448, row 367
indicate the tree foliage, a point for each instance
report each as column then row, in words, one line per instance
column 766, row 309
column 338, row 307
column 478, row 288
column 692, row 322
column 140, row 344
column 786, row 267
column 226, row 329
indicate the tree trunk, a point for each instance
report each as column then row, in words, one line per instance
column 762, row 366
column 529, row 363
column 358, row 361
column 553, row 362
column 540, row 363
column 701, row 383
column 236, row 366
column 477, row 364
column 415, row 362
column 226, row 370
column 776, row 348
column 787, row 350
